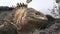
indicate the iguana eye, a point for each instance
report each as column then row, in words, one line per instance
column 37, row 13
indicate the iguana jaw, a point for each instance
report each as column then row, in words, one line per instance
column 41, row 18
column 38, row 18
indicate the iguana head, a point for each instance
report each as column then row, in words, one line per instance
column 25, row 16
column 34, row 17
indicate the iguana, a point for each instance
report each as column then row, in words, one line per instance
column 24, row 19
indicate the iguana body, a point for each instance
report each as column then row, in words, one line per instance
column 23, row 18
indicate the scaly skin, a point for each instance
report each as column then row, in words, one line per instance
column 23, row 20
column 28, row 19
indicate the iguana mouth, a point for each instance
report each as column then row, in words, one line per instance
column 38, row 18
column 41, row 18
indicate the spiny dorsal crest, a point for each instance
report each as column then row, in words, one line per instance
column 21, row 5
